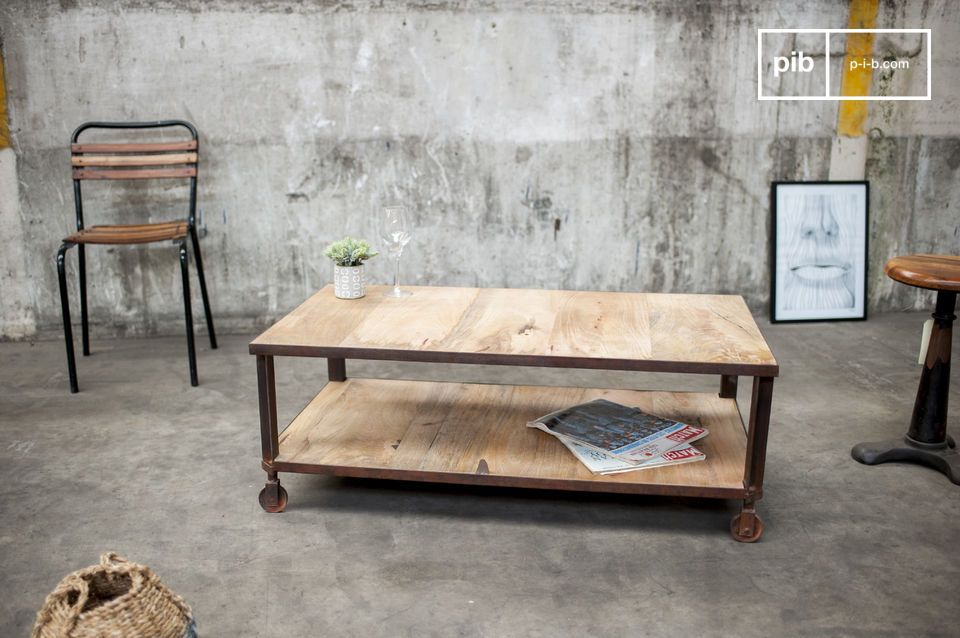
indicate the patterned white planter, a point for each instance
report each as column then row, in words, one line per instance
column 348, row 281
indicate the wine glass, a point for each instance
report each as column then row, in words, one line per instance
column 395, row 234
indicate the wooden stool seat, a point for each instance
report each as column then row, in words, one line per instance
column 934, row 272
column 130, row 234
column 926, row 441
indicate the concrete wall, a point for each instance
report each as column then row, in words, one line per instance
column 573, row 143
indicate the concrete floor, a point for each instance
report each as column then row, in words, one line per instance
column 142, row 464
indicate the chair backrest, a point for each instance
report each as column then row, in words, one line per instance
column 134, row 160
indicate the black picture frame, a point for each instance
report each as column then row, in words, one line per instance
column 794, row 299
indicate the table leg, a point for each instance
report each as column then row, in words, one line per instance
column 728, row 386
column 926, row 442
column 746, row 526
column 337, row 369
column 273, row 498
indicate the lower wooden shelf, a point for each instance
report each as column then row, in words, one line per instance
column 476, row 434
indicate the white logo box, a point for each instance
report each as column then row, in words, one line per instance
column 826, row 94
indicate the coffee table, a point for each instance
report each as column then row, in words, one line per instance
column 476, row 434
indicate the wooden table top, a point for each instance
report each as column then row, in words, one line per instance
column 712, row 334
column 935, row 272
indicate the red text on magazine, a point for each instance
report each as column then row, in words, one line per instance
column 685, row 434
column 676, row 455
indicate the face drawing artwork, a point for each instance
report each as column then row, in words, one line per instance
column 819, row 246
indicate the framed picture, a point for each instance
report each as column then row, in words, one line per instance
column 819, row 246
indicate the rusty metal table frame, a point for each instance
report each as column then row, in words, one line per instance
column 746, row 526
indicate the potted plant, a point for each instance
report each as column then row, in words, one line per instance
column 348, row 256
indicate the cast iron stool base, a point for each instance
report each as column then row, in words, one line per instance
column 944, row 457
column 926, row 442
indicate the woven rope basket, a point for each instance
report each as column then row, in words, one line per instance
column 116, row 598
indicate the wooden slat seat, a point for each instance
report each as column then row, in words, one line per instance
column 130, row 234
column 934, row 272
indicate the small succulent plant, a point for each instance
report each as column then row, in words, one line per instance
column 349, row 252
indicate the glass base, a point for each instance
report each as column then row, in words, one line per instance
column 397, row 292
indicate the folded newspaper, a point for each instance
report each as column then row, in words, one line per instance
column 600, row 463
column 624, row 433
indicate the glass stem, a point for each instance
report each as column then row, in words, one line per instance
column 396, row 275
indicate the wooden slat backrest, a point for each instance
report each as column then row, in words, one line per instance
column 135, row 151
column 157, row 159
column 140, row 173
column 134, row 161
column 157, row 147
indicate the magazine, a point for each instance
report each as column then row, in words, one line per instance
column 629, row 434
column 600, row 463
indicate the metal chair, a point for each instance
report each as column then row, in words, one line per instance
column 124, row 161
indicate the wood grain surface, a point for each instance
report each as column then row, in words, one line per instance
column 159, row 159
column 125, row 173
column 476, row 433
column 138, row 147
column 934, row 272
column 130, row 234
column 613, row 330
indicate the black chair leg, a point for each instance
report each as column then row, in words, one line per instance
column 65, row 307
column 203, row 288
column 84, row 325
column 191, row 351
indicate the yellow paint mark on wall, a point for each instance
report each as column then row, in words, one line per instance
column 4, row 125
column 853, row 113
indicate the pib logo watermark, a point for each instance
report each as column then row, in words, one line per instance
column 812, row 64
column 796, row 63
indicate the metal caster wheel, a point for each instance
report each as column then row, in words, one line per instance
column 281, row 500
column 741, row 529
